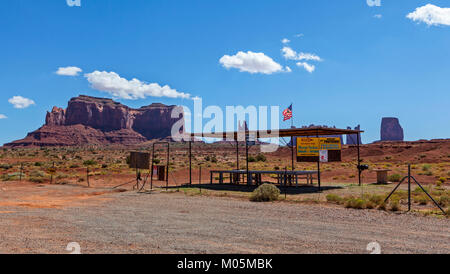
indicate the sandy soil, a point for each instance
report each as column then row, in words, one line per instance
column 45, row 218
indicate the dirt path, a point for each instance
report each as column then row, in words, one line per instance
column 175, row 223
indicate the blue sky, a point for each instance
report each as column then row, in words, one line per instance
column 375, row 62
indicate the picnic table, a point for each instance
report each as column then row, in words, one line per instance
column 283, row 177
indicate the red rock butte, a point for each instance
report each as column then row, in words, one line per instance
column 102, row 121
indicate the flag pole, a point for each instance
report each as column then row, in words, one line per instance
column 292, row 119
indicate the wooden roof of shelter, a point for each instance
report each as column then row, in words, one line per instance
column 292, row 132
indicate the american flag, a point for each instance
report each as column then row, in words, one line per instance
column 287, row 113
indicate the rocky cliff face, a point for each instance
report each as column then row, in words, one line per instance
column 91, row 120
column 391, row 130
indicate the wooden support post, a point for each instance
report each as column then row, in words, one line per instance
column 359, row 159
column 246, row 158
column 190, row 162
column 292, row 150
column 237, row 154
column 167, row 171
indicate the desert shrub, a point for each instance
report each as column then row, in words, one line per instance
column 442, row 179
column 395, row 206
column 89, row 162
column 421, row 199
column 426, row 167
column 207, row 158
column 276, row 168
column 61, row 176
column 156, row 161
column 395, row 178
column 444, row 200
column 382, row 206
column 74, row 166
column 333, row 198
column 265, row 193
column 370, row 205
column 213, row 159
column 104, row 166
column 38, row 180
column 355, row 203
column 261, row 158
column 13, row 176
column 251, row 159
column 38, row 164
column 376, row 199
column 428, row 173
column 37, row 174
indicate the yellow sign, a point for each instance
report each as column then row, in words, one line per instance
column 308, row 147
column 330, row 143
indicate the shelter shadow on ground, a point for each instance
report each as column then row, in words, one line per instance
column 302, row 189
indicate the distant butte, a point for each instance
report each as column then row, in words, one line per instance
column 101, row 121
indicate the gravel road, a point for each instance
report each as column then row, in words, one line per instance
column 128, row 222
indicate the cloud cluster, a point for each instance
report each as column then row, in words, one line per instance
column 2, row 116
column 290, row 54
column 119, row 87
column 21, row 102
column 252, row 62
column 285, row 41
column 374, row 3
column 68, row 71
column 431, row 15
column 308, row 67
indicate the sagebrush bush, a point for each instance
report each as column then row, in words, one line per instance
column 37, row 174
column 444, row 201
column 333, row 198
column 89, row 163
column 395, row 178
column 261, row 158
column 421, row 199
column 265, row 193
column 395, row 206
column 355, row 203
column 382, row 206
column 376, row 199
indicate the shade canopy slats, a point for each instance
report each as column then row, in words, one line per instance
column 292, row 132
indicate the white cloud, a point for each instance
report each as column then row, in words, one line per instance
column 378, row 16
column 308, row 67
column 68, row 71
column 299, row 35
column 431, row 15
column 119, row 87
column 21, row 102
column 252, row 62
column 374, row 3
column 285, row 41
column 291, row 54
column 2, row 116
column 287, row 69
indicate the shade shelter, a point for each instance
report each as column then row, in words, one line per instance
column 238, row 136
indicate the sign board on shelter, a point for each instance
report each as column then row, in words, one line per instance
column 309, row 149
column 140, row 160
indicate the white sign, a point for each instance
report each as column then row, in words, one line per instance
column 323, row 154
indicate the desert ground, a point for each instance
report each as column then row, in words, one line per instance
column 42, row 211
